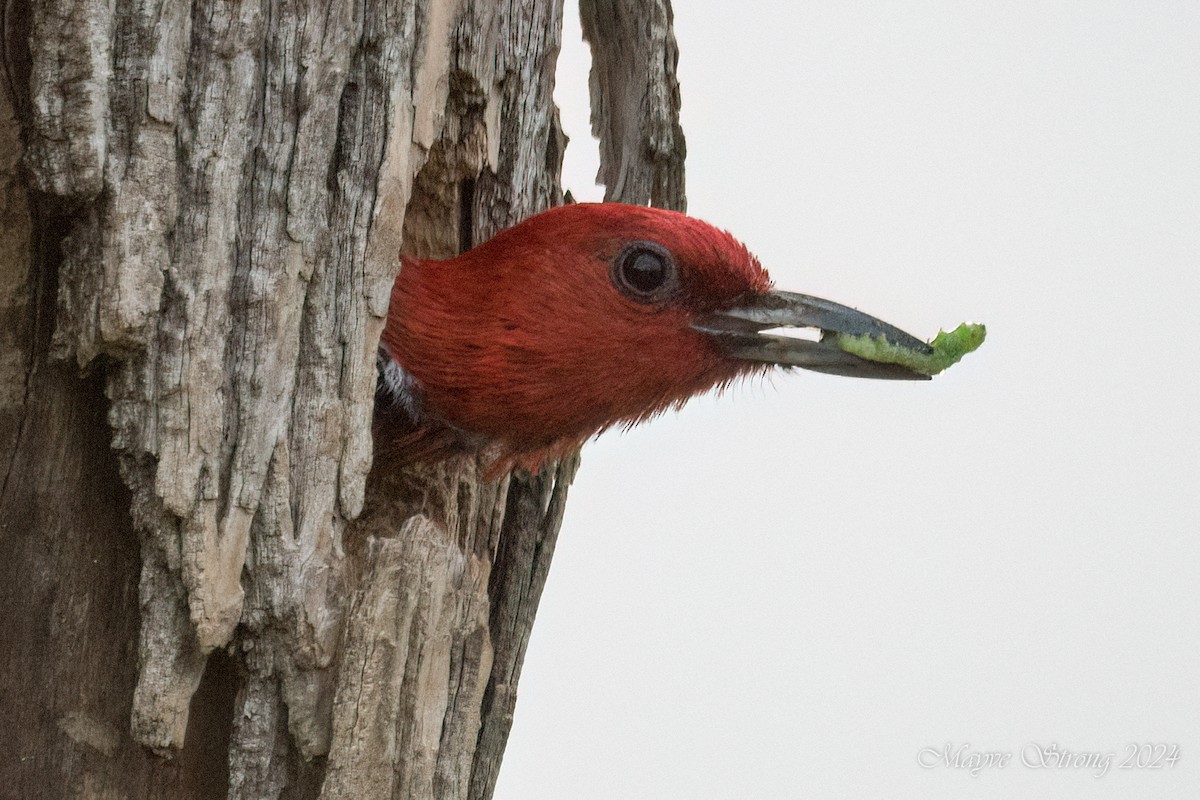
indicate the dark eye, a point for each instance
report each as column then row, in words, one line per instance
column 645, row 272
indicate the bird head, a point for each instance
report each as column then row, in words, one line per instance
column 593, row 315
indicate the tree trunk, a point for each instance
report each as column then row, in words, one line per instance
column 208, row 589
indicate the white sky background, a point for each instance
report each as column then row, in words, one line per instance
column 790, row 590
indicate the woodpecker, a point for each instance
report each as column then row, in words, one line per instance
column 589, row 316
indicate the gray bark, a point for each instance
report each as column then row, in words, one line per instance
column 635, row 100
column 209, row 589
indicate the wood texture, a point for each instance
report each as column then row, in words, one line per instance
column 635, row 100
column 209, row 589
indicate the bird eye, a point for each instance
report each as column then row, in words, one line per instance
column 644, row 272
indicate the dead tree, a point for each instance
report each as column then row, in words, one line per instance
column 207, row 587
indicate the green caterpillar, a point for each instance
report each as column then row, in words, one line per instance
column 948, row 348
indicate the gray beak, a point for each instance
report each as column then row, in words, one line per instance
column 738, row 331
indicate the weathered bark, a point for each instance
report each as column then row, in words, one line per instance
column 208, row 590
column 635, row 100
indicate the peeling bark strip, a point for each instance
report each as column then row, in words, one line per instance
column 533, row 516
column 635, row 100
column 69, row 93
column 201, row 207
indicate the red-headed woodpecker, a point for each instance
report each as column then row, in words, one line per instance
column 588, row 316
